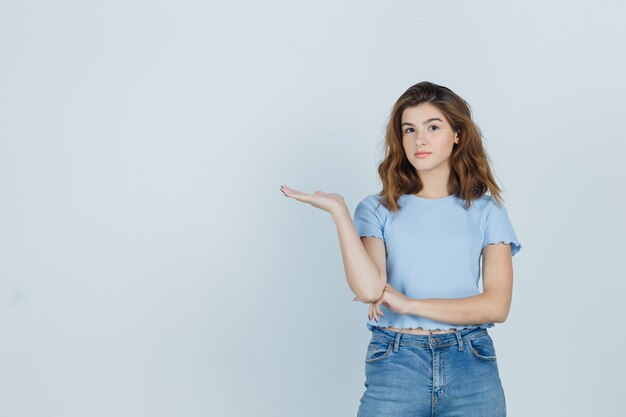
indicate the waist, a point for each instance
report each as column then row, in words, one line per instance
column 419, row 330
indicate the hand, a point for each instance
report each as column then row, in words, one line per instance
column 326, row 201
column 391, row 298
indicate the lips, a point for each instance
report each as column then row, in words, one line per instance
column 422, row 154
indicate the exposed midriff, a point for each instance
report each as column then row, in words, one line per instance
column 419, row 330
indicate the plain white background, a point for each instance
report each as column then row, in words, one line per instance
column 150, row 265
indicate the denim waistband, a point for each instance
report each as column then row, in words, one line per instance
column 433, row 339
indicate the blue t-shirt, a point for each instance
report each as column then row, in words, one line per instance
column 433, row 248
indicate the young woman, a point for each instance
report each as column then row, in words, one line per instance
column 413, row 253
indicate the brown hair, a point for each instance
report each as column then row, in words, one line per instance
column 470, row 175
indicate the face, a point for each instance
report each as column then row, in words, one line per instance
column 425, row 129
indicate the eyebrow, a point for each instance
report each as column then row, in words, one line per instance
column 427, row 121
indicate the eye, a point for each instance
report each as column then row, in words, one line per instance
column 407, row 130
column 436, row 127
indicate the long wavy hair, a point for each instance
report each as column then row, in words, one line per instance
column 470, row 176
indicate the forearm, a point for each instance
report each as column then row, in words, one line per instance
column 364, row 278
column 477, row 309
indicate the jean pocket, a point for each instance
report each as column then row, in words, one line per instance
column 482, row 347
column 377, row 350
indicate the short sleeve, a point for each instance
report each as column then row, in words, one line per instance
column 498, row 228
column 367, row 218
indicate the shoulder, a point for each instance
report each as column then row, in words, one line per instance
column 486, row 208
column 372, row 201
column 494, row 212
column 487, row 203
column 372, row 205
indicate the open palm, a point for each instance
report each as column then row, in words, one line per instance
column 325, row 201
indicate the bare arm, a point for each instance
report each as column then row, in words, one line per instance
column 364, row 259
column 491, row 306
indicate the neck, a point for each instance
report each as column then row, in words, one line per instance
column 434, row 184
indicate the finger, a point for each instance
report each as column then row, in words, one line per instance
column 299, row 196
column 289, row 191
column 380, row 309
column 376, row 312
column 369, row 312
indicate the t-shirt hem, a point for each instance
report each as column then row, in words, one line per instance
column 371, row 327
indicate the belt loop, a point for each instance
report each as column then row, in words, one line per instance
column 459, row 339
column 396, row 343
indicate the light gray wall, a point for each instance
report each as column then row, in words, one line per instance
column 150, row 265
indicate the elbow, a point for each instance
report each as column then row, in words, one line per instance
column 370, row 300
column 501, row 316
column 374, row 293
column 371, row 297
column 498, row 307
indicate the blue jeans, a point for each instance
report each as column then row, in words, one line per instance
column 447, row 374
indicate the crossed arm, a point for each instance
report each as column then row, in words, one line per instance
column 491, row 306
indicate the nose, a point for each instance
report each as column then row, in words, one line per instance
column 420, row 139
